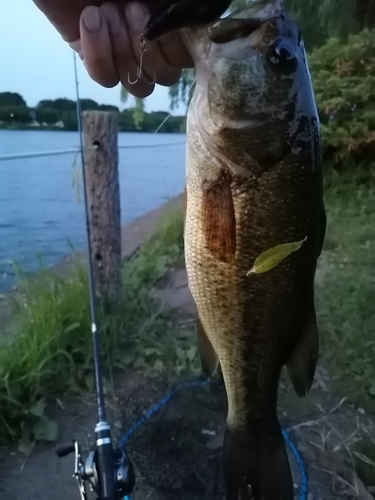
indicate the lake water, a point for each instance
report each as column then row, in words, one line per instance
column 39, row 211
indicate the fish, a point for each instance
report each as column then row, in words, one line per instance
column 254, row 227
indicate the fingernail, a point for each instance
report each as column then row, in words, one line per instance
column 92, row 19
column 135, row 16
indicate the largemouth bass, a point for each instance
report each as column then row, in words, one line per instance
column 254, row 194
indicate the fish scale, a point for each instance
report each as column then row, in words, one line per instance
column 253, row 323
column 253, row 183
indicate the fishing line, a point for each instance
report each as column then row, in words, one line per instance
column 93, row 312
column 106, row 469
column 182, row 99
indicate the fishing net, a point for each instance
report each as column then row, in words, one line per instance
column 177, row 452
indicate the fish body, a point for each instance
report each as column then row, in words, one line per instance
column 253, row 188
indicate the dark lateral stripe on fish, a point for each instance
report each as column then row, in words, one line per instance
column 219, row 220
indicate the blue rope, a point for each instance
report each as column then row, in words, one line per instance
column 197, row 383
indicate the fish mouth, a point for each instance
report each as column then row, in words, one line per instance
column 246, row 21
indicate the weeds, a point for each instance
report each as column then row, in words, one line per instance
column 346, row 290
column 49, row 352
column 341, row 448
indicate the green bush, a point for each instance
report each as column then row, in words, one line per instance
column 344, row 83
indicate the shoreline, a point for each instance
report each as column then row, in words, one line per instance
column 57, row 129
column 133, row 236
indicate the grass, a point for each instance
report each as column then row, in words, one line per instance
column 346, row 293
column 49, row 351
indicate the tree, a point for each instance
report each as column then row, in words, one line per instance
column 365, row 13
column 11, row 99
column 89, row 105
column 13, row 109
column 343, row 75
column 46, row 115
column 61, row 104
column 322, row 19
column 138, row 110
column 126, row 122
column 15, row 114
column 109, row 107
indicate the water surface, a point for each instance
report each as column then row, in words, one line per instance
column 39, row 211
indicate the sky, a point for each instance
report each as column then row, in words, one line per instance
column 38, row 64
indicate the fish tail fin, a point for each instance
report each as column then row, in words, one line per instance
column 256, row 465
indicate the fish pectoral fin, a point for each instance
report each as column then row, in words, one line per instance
column 302, row 363
column 207, row 354
column 219, row 220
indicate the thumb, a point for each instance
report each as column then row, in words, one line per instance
column 96, row 47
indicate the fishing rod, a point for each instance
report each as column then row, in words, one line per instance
column 107, row 469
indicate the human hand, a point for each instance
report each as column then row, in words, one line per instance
column 106, row 36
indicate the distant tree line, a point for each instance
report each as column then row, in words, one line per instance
column 61, row 113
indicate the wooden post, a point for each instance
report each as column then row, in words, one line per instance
column 101, row 129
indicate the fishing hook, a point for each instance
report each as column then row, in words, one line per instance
column 140, row 73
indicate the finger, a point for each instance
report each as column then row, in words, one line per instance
column 122, row 52
column 154, row 64
column 65, row 15
column 76, row 46
column 174, row 51
column 96, row 47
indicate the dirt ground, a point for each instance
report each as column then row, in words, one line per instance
column 177, row 453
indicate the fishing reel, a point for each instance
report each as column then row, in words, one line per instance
column 108, row 471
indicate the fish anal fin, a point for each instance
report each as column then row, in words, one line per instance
column 219, row 220
column 207, row 354
column 302, row 363
column 322, row 229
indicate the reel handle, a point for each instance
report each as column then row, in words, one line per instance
column 64, row 449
